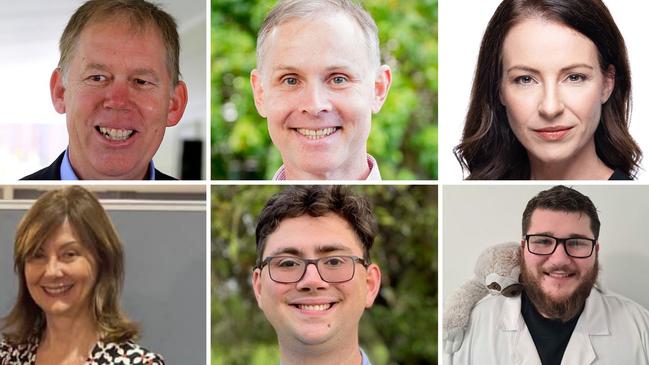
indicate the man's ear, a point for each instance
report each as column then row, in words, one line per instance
column 258, row 91
column 256, row 286
column 57, row 90
column 177, row 104
column 609, row 83
column 381, row 87
column 373, row 281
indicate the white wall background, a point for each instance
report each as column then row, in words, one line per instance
column 32, row 133
column 461, row 26
column 478, row 216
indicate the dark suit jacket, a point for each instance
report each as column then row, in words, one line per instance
column 53, row 172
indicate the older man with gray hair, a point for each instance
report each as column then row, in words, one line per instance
column 318, row 81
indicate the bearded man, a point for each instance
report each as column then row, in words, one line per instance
column 561, row 317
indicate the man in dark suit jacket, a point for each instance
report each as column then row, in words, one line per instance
column 118, row 83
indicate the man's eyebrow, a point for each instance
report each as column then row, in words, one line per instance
column 551, row 234
column 96, row 66
column 282, row 67
column 326, row 248
column 333, row 248
column 287, row 251
column 137, row 71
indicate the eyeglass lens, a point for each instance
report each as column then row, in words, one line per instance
column 333, row 269
column 544, row 245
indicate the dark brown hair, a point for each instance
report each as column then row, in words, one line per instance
column 563, row 199
column 93, row 229
column 138, row 13
column 316, row 201
column 489, row 149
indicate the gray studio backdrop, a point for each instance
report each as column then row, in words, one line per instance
column 164, row 287
column 477, row 216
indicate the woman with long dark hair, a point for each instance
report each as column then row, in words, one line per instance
column 551, row 96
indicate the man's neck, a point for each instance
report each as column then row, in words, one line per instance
column 341, row 354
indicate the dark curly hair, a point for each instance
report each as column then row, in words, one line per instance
column 316, row 201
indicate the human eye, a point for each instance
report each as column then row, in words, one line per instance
column 339, row 79
column 289, row 80
column 541, row 240
column 36, row 255
column 96, row 79
column 140, row 82
column 578, row 243
column 576, row 78
column 524, row 80
column 70, row 254
column 286, row 263
column 334, row 261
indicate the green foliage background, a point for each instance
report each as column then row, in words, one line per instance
column 404, row 134
column 401, row 327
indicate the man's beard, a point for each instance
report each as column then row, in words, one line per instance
column 565, row 308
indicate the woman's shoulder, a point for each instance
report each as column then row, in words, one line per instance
column 106, row 353
column 11, row 353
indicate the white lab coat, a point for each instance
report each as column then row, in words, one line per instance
column 611, row 330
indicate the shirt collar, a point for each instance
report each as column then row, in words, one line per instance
column 67, row 172
column 365, row 360
column 374, row 175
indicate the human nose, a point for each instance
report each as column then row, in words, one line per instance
column 560, row 256
column 311, row 280
column 316, row 100
column 117, row 95
column 551, row 104
column 53, row 268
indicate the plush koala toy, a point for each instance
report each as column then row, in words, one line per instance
column 497, row 271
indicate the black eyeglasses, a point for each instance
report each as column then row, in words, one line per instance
column 291, row 269
column 577, row 247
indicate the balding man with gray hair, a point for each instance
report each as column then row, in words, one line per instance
column 318, row 81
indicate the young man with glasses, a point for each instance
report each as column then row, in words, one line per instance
column 561, row 316
column 313, row 278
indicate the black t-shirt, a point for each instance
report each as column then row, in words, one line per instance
column 550, row 336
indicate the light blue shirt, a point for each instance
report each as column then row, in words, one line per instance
column 364, row 359
column 67, row 172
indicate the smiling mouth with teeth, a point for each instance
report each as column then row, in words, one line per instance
column 315, row 307
column 115, row 134
column 317, row 133
column 57, row 289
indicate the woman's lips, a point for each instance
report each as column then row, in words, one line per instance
column 553, row 134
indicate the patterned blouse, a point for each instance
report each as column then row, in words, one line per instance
column 126, row 353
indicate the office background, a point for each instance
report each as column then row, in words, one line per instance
column 163, row 232
column 33, row 134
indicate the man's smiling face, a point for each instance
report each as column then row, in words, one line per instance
column 313, row 311
column 118, row 97
column 318, row 89
column 558, row 283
